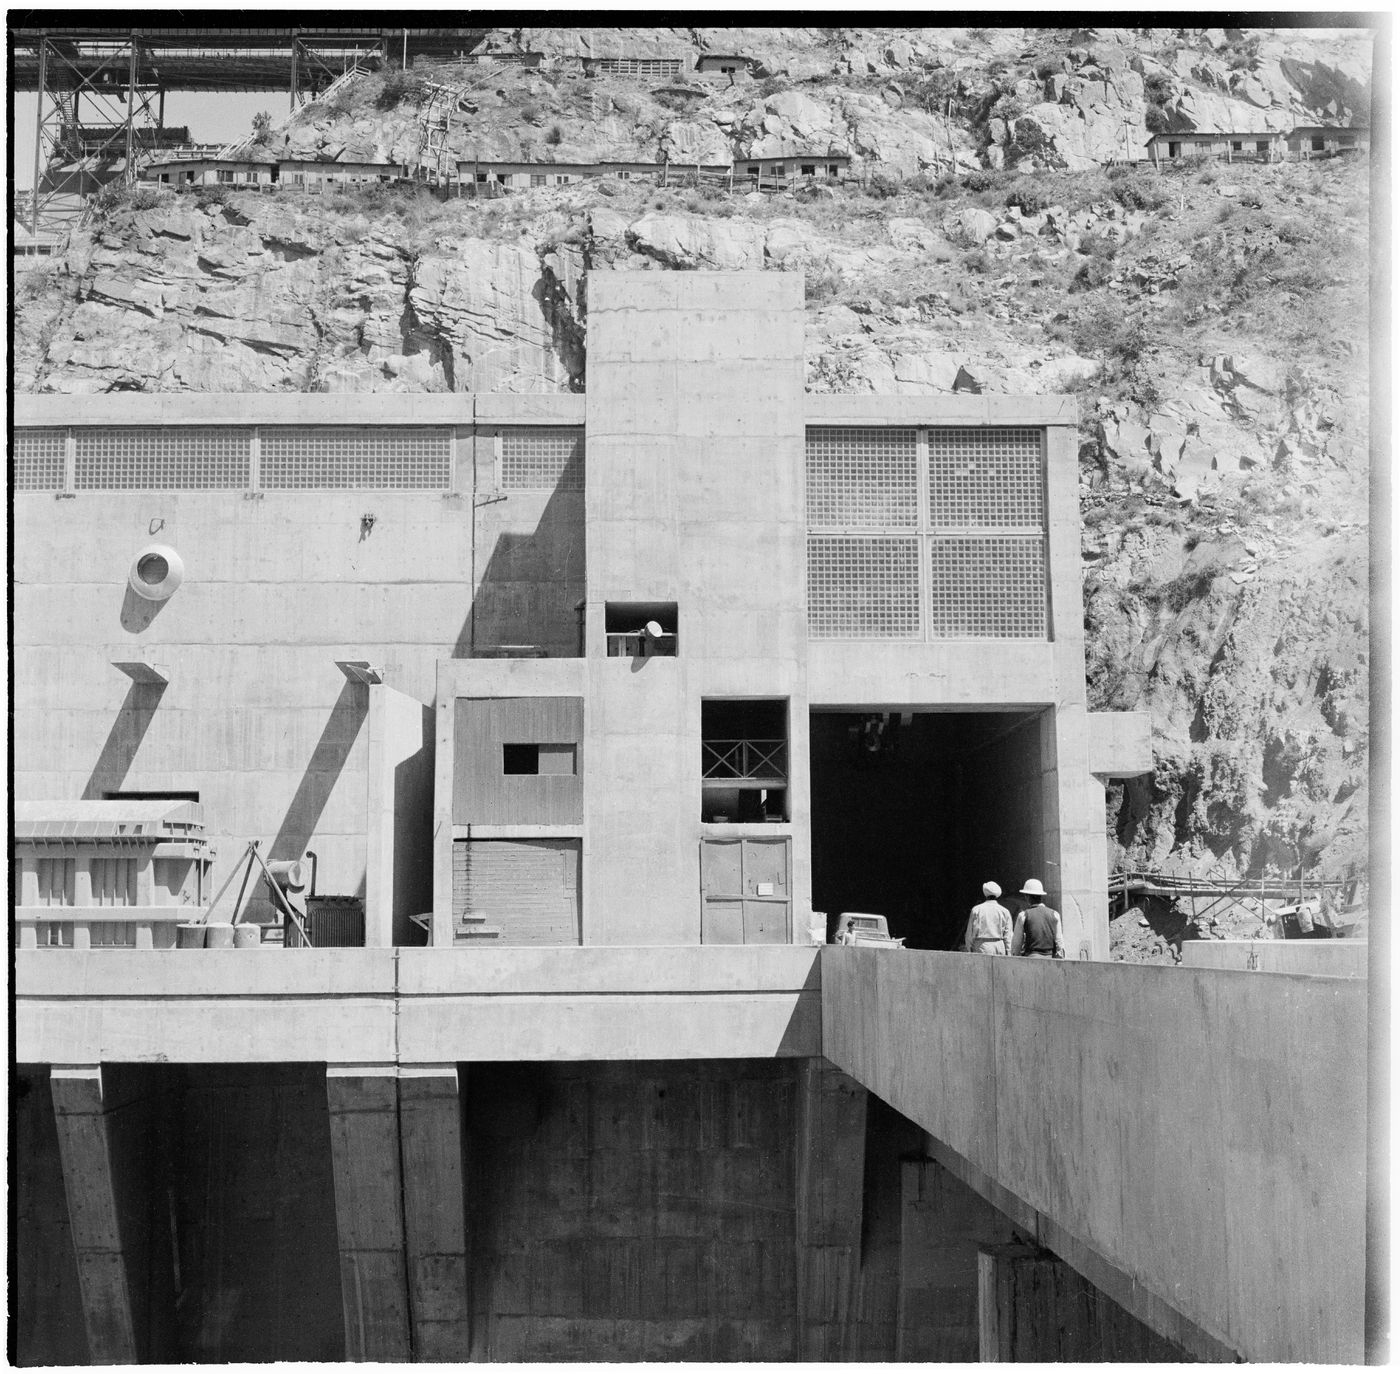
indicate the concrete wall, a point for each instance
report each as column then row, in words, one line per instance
column 279, row 584
column 415, row 1006
column 221, row 1178
column 695, row 442
column 1223, row 1207
column 1322, row 958
column 631, row 1212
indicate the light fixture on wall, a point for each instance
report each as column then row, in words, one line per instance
column 156, row 572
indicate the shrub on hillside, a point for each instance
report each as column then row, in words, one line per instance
column 400, row 88
column 555, row 136
column 1135, row 190
column 882, row 185
column 1027, row 200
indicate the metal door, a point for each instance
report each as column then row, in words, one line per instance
column 744, row 891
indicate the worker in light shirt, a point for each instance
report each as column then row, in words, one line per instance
column 989, row 926
column 1038, row 932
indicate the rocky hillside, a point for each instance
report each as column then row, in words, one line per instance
column 1211, row 319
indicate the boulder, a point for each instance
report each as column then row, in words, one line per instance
column 972, row 223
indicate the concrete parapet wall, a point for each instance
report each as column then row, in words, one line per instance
column 1321, row 958
column 1232, row 1198
column 416, row 1006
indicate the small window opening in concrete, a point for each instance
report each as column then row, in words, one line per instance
column 809, row 169
column 743, row 761
column 1237, row 145
column 1261, row 145
column 641, row 629
column 913, row 811
column 1318, row 144
column 557, row 760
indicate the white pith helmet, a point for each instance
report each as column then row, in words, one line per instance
column 1032, row 888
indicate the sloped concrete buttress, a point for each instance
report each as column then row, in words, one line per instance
column 830, row 1139
column 85, row 1149
column 434, row 1208
column 369, row 1210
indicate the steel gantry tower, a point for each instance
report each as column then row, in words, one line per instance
column 101, row 90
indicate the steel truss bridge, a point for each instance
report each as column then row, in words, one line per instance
column 101, row 90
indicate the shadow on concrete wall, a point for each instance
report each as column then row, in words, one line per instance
column 124, row 739
column 413, row 837
column 137, row 612
column 532, row 584
column 322, row 772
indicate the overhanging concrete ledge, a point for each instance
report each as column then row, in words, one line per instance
column 1191, row 1140
column 411, row 1006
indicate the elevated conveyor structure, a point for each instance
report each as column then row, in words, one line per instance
column 1192, row 1141
column 101, row 90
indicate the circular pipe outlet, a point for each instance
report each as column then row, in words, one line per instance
column 156, row 572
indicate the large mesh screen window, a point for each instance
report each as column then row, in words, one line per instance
column 862, row 478
column 171, row 458
column 540, row 458
column 37, row 459
column 349, row 457
column 987, row 587
column 863, row 588
column 986, row 476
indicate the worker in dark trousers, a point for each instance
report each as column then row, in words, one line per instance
column 1038, row 932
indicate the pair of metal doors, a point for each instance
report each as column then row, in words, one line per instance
column 745, row 891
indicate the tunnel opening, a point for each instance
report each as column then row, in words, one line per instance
column 913, row 811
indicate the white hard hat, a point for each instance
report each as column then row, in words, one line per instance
column 991, row 890
column 653, row 629
column 1032, row 888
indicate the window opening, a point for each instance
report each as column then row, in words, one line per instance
column 743, row 760
column 56, row 934
column 112, row 935
column 641, row 629
column 109, row 795
column 1317, row 144
column 552, row 760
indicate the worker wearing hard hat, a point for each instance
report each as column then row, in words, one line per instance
column 1038, row 931
column 989, row 927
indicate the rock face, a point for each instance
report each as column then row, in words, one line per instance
column 1212, row 325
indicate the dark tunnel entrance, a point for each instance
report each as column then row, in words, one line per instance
column 913, row 812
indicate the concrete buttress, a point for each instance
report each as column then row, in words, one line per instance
column 430, row 1132
column 369, row 1210
column 87, row 1149
column 830, row 1182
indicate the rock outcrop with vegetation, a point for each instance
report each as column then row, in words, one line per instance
column 1212, row 321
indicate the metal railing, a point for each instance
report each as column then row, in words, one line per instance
column 744, row 760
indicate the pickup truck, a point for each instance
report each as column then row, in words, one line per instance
column 865, row 928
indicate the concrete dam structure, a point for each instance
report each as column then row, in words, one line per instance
column 587, row 716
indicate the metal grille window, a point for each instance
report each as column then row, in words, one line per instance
column 987, row 587
column 863, row 587
column 171, row 458
column 960, row 510
column 862, row 478
column 541, row 458
column 38, row 459
column 984, row 476
column 346, row 456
